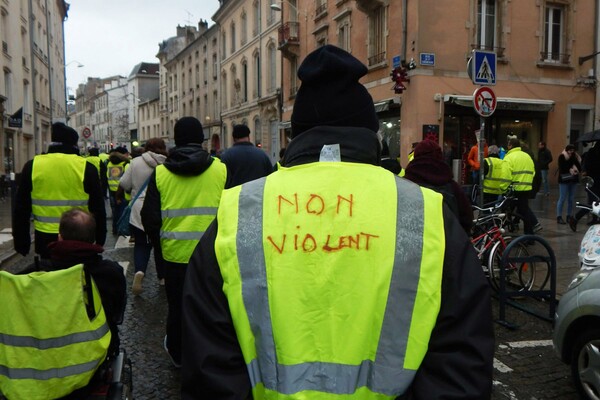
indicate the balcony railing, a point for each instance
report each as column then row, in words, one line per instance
column 496, row 49
column 289, row 33
column 377, row 59
column 557, row 58
column 321, row 8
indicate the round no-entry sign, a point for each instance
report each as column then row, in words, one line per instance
column 86, row 132
column 484, row 101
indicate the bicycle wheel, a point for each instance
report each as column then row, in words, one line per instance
column 519, row 276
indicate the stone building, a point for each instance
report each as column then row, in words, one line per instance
column 545, row 77
column 32, row 87
column 250, row 82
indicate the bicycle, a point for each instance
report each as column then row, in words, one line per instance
column 489, row 241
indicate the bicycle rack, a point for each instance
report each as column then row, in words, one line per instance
column 506, row 297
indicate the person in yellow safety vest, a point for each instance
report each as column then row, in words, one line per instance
column 51, row 184
column 75, row 245
column 522, row 171
column 411, row 157
column 181, row 201
column 118, row 162
column 94, row 158
column 332, row 278
column 496, row 177
column 53, row 341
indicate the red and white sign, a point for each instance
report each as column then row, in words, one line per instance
column 484, row 101
column 86, row 132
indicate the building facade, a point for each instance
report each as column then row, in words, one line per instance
column 32, row 88
column 546, row 88
column 142, row 86
column 250, row 80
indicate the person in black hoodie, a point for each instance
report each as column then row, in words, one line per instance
column 262, row 314
column 181, row 201
column 51, row 184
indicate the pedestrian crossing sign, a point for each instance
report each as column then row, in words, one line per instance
column 484, row 68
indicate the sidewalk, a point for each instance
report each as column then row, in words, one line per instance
column 563, row 241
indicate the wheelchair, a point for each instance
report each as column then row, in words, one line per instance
column 55, row 339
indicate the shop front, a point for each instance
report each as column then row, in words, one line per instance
column 524, row 118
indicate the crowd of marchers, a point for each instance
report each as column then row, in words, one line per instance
column 323, row 276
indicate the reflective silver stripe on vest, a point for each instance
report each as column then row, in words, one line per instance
column 50, row 343
column 181, row 235
column 37, row 374
column 183, row 212
column 52, row 220
column 60, row 203
column 385, row 375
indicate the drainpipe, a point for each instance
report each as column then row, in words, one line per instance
column 596, row 124
column 404, row 29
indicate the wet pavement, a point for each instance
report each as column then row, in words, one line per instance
column 525, row 365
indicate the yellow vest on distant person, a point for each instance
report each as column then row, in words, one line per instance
column 188, row 205
column 315, row 269
column 498, row 178
column 57, row 186
column 521, row 168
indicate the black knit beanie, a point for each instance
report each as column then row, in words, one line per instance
column 188, row 130
column 64, row 134
column 240, row 131
column 330, row 93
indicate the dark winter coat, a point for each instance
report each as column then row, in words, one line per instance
column 544, row 158
column 22, row 212
column 433, row 172
column 461, row 347
column 568, row 163
column 245, row 162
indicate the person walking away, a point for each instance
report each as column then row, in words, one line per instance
column 118, row 162
column 591, row 168
column 429, row 169
column 473, row 160
column 134, row 178
column 245, row 162
column 181, row 200
column 283, row 294
column 496, row 178
column 94, row 158
column 51, row 184
column 569, row 166
column 544, row 160
column 522, row 171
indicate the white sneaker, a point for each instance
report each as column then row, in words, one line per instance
column 137, row 288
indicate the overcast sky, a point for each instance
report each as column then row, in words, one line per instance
column 109, row 37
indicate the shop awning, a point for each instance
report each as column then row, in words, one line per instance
column 384, row 105
column 504, row 103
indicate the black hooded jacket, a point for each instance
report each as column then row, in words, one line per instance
column 188, row 160
column 458, row 363
column 22, row 212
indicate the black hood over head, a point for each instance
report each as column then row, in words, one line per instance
column 357, row 144
column 190, row 159
column 116, row 158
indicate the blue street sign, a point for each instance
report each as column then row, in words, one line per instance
column 484, row 68
column 396, row 62
column 427, row 59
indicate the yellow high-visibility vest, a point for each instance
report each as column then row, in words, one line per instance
column 521, row 168
column 57, row 186
column 498, row 177
column 334, row 286
column 95, row 161
column 188, row 205
column 49, row 346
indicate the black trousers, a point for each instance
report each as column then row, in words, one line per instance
column 174, row 279
column 529, row 218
